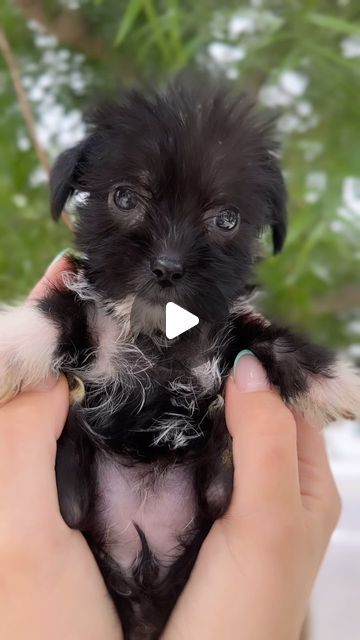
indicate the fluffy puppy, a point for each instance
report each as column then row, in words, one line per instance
column 176, row 189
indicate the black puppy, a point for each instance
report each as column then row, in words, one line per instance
column 176, row 189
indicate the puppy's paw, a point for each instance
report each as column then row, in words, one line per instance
column 332, row 396
column 8, row 386
column 28, row 342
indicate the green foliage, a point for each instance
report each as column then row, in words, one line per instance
column 299, row 57
column 334, row 24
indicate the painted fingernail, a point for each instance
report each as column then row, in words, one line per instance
column 248, row 373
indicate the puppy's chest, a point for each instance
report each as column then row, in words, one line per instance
column 144, row 401
column 144, row 502
column 156, row 416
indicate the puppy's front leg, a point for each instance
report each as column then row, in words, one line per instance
column 37, row 340
column 28, row 348
column 309, row 377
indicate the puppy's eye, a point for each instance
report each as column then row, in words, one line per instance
column 126, row 199
column 227, row 219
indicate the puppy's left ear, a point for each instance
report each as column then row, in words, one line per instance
column 63, row 176
column 278, row 205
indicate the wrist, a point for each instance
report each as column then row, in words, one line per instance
column 229, row 598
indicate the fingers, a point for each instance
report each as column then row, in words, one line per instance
column 317, row 484
column 264, row 441
column 29, row 427
column 29, row 411
column 52, row 276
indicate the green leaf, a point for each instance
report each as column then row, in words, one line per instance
column 174, row 22
column 155, row 24
column 332, row 57
column 128, row 20
column 334, row 24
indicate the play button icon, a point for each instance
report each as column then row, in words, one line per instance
column 173, row 336
column 178, row 320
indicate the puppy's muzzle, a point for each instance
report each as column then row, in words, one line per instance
column 167, row 270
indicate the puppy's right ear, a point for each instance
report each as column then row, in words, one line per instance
column 63, row 177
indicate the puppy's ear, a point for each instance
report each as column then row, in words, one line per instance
column 278, row 204
column 279, row 230
column 63, row 176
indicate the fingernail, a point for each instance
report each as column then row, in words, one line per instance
column 248, row 373
column 60, row 255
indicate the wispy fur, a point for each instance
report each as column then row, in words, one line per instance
column 144, row 462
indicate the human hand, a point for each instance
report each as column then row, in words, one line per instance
column 50, row 586
column 255, row 571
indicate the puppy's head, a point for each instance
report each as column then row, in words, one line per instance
column 177, row 189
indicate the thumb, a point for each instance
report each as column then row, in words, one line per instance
column 264, row 438
column 247, row 384
column 29, row 427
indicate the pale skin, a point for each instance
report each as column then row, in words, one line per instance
column 255, row 571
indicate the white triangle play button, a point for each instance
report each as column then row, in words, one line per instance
column 178, row 320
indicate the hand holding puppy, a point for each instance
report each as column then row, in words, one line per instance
column 256, row 568
column 49, row 582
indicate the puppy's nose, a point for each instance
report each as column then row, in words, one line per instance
column 167, row 269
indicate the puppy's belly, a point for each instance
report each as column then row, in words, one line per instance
column 159, row 501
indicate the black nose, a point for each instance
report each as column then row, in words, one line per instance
column 167, row 269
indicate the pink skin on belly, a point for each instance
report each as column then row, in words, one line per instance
column 164, row 509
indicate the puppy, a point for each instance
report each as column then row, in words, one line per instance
column 176, row 189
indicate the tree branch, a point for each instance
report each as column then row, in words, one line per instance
column 26, row 109
column 67, row 26
column 22, row 98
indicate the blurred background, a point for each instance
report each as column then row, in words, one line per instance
column 301, row 60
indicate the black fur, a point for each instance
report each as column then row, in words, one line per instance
column 188, row 156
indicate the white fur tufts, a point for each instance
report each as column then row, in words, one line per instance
column 332, row 398
column 28, row 342
column 209, row 376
